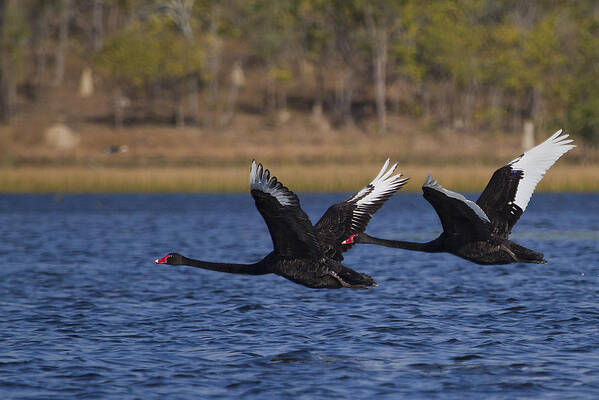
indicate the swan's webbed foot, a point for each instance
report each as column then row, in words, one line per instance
column 345, row 284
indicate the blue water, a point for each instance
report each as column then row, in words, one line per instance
column 85, row 313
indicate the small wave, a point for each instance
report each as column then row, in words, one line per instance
column 292, row 357
column 467, row 357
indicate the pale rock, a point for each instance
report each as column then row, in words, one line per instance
column 61, row 137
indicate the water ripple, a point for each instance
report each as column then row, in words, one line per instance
column 86, row 313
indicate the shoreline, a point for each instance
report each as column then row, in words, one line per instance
column 299, row 178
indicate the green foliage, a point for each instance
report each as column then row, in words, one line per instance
column 553, row 53
column 149, row 51
column 281, row 75
column 482, row 61
column 451, row 40
column 582, row 105
column 405, row 49
column 270, row 30
column 16, row 34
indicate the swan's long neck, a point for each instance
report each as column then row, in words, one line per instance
column 429, row 247
column 258, row 268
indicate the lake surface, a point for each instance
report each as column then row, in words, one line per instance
column 86, row 314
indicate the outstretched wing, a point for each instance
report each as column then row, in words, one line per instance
column 351, row 216
column 508, row 192
column 290, row 228
column 458, row 215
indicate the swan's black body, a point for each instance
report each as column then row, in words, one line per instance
column 490, row 251
column 479, row 231
column 303, row 253
column 323, row 273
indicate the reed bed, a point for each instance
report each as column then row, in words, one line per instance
column 300, row 178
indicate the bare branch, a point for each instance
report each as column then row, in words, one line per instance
column 180, row 12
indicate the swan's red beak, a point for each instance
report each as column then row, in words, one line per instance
column 162, row 260
column 349, row 240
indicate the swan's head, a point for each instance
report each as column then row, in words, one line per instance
column 171, row 259
column 350, row 240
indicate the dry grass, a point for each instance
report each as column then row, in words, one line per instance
column 303, row 154
column 297, row 141
column 300, row 178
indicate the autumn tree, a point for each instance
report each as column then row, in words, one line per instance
column 149, row 52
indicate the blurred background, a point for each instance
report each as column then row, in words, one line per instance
column 181, row 95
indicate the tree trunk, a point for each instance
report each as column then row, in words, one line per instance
column 214, row 63
column 380, row 67
column 179, row 105
column 338, row 102
column 97, row 24
column 348, row 97
column 425, row 94
column 343, row 97
column 155, row 106
column 194, row 99
column 468, row 106
column 63, row 32
column 38, row 20
column 4, row 78
column 495, row 105
column 119, row 109
column 271, row 93
column 534, row 104
column 10, row 91
column 237, row 80
column 319, row 84
column 449, row 96
column 344, row 85
column 528, row 135
column 378, row 41
column 180, row 11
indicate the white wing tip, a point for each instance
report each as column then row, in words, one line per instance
column 535, row 162
column 382, row 171
column 261, row 179
column 253, row 169
column 560, row 139
column 256, row 171
column 384, row 175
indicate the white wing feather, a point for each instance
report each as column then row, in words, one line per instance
column 262, row 182
column 382, row 185
column 535, row 162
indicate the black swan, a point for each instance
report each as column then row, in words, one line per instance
column 304, row 253
column 479, row 231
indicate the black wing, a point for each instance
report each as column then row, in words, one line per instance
column 497, row 200
column 351, row 216
column 458, row 215
column 508, row 192
column 290, row 228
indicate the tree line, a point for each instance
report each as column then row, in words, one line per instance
column 467, row 64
